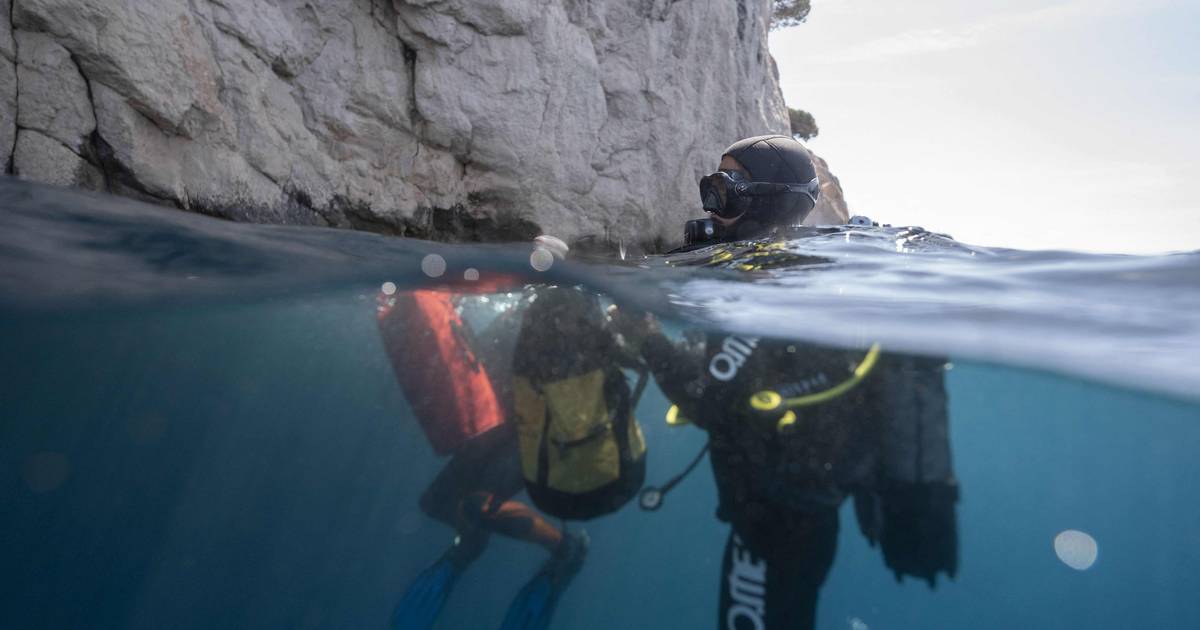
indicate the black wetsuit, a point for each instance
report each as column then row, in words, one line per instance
column 780, row 491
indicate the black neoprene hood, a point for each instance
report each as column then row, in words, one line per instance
column 776, row 158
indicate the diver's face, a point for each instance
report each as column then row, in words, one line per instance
column 730, row 165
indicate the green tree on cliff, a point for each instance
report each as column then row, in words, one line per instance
column 786, row 13
column 804, row 126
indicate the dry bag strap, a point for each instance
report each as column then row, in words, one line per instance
column 625, row 413
column 543, row 463
column 597, row 431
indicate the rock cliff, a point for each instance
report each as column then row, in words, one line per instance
column 434, row 118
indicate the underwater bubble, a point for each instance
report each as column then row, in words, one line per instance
column 1076, row 549
column 857, row 624
column 541, row 259
column 471, row 274
column 433, row 265
column 388, row 288
column 45, row 471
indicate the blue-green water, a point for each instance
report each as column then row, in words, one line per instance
column 236, row 452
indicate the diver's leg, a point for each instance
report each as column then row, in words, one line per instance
column 743, row 588
column 467, row 471
column 424, row 598
column 771, row 581
column 495, row 511
column 510, row 518
column 443, row 501
column 491, row 507
column 799, row 562
column 473, row 493
column 534, row 605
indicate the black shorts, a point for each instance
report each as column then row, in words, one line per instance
column 487, row 464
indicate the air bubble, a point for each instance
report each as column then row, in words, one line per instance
column 1076, row 549
column 541, row 259
column 388, row 288
column 471, row 275
column 433, row 265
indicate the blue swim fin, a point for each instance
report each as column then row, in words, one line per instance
column 534, row 605
column 423, row 600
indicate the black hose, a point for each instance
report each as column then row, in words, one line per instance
column 652, row 497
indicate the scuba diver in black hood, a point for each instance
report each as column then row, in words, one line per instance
column 795, row 428
column 762, row 183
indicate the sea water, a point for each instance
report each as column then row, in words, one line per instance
column 199, row 427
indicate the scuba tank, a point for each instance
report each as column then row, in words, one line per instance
column 449, row 390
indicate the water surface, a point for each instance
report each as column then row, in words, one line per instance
column 202, row 429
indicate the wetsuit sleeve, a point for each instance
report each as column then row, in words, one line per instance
column 675, row 366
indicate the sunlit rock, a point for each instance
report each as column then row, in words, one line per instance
column 156, row 54
column 449, row 120
column 831, row 206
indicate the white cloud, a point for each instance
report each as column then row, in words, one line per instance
column 1189, row 81
column 918, row 83
column 907, row 43
column 933, row 40
column 858, row 8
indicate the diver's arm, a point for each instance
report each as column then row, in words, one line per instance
column 676, row 366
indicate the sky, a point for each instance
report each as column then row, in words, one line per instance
column 1034, row 124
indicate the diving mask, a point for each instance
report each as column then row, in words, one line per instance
column 727, row 194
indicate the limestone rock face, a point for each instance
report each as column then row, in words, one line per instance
column 6, row 35
column 434, row 118
column 831, row 206
column 45, row 159
column 53, row 98
column 8, row 88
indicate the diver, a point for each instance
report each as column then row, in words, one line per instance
column 582, row 450
column 456, row 384
column 795, row 428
